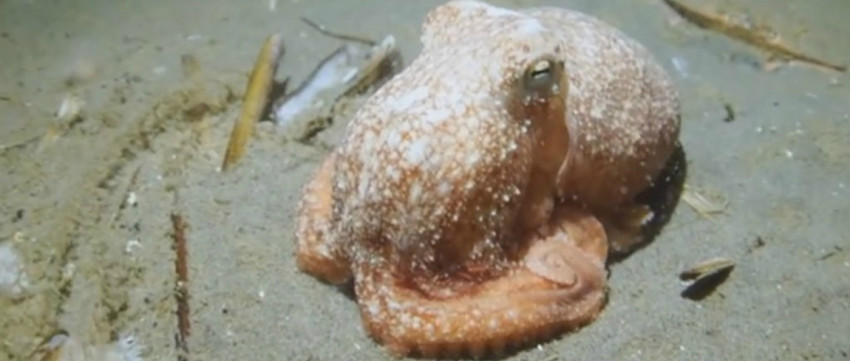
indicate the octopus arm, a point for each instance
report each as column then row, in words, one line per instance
column 317, row 252
column 559, row 286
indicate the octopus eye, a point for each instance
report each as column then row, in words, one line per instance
column 541, row 70
column 542, row 78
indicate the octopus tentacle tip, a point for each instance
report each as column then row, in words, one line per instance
column 550, row 259
column 469, row 198
column 504, row 314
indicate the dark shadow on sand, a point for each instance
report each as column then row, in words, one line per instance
column 662, row 198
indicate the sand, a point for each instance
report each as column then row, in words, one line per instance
column 87, row 201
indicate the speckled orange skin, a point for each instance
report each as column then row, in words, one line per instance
column 472, row 199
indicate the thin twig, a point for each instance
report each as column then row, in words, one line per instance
column 125, row 201
column 322, row 29
column 182, row 289
column 754, row 37
column 20, row 144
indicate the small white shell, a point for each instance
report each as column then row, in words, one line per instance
column 13, row 279
column 69, row 108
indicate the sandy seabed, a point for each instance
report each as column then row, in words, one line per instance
column 85, row 227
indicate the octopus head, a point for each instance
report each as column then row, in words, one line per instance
column 482, row 114
column 507, row 62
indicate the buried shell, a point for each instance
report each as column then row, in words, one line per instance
column 706, row 276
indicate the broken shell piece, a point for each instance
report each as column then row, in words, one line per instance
column 704, row 202
column 343, row 75
column 69, row 113
column 334, row 71
column 706, row 276
column 70, row 108
column 706, row 268
column 255, row 99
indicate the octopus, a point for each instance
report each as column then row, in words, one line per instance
column 475, row 197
